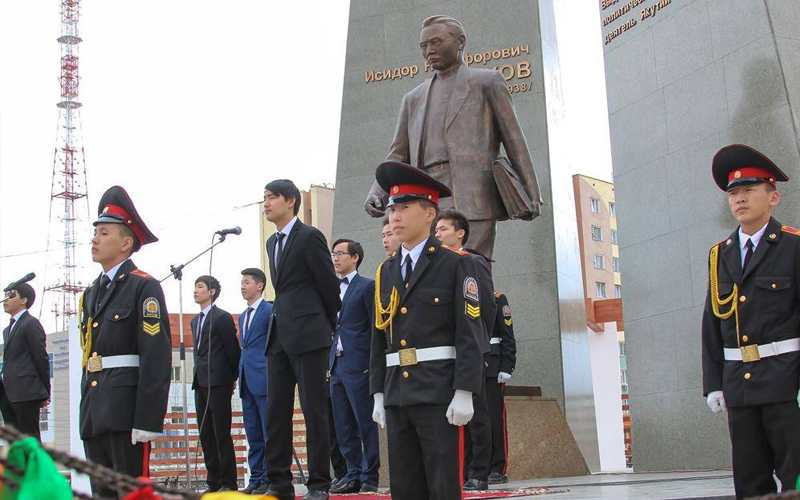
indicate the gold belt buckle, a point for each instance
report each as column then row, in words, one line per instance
column 408, row 357
column 750, row 353
column 95, row 364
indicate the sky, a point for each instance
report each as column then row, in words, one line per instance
column 192, row 106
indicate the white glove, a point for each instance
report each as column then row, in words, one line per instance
column 716, row 401
column 460, row 410
column 138, row 436
column 378, row 411
column 503, row 377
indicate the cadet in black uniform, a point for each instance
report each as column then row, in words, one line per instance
column 452, row 229
column 127, row 349
column 751, row 326
column 500, row 363
column 426, row 356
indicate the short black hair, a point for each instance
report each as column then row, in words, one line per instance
column 385, row 221
column 257, row 274
column 212, row 284
column 25, row 291
column 287, row 189
column 125, row 231
column 353, row 248
column 459, row 221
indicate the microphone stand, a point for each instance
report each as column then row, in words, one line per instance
column 177, row 273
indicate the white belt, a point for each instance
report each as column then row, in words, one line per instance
column 495, row 340
column 411, row 356
column 123, row 361
column 752, row 353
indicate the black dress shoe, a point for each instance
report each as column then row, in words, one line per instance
column 476, row 485
column 316, row 495
column 280, row 495
column 261, row 490
column 347, row 487
column 227, row 488
column 497, row 478
column 368, row 488
column 336, row 480
column 210, row 489
column 250, row 489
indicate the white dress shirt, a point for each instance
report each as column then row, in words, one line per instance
column 16, row 318
column 286, row 230
column 414, row 252
column 254, row 307
column 201, row 323
column 343, row 290
column 744, row 237
column 112, row 273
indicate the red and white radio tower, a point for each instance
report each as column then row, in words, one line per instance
column 68, row 198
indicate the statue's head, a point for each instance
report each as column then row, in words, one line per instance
column 442, row 41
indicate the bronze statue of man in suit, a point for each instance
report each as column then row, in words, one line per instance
column 451, row 126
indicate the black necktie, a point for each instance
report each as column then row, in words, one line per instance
column 10, row 326
column 408, row 270
column 199, row 332
column 344, row 281
column 246, row 325
column 280, row 249
column 749, row 254
column 104, row 281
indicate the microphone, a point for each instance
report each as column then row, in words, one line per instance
column 30, row 276
column 233, row 230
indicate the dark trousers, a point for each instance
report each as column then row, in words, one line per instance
column 215, row 434
column 765, row 439
column 338, row 462
column 497, row 414
column 478, row 440
column 254, row 410
column 23, row 416
column 356, row 432
column 307, row 371
column 115, row 451
column 425, row 453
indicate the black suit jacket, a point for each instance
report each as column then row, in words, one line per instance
column 769, row 311
column 26, row 367
column 219, row 349
column 434, row 311
column 306, row 292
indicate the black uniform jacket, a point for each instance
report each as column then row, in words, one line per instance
column 440, row 307
column 769, row 311
column 131, row 319
column 306, row 291
column 26, row 366
column 219, row 350
column 486, row 287
column 503, row 357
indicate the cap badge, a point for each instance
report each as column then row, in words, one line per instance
column 395, row 189
column 737, row 174
column 105, row 210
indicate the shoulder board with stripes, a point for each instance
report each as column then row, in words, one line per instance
column 790, row 230
column 456, row 250
column 497, row 294
column 140, row 273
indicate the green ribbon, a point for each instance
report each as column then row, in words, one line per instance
column 41, row 478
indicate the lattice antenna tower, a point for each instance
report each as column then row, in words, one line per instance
column 69, row 206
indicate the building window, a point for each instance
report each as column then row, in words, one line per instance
column 600, row 290
column 615, row 263
column 599, row 261
column 597, row 233
column 612, row 209
column 176, row 373
column 618, row 291
column 614, row 237
column 594, row 203
column 622, row 348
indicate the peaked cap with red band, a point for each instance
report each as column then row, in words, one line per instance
column 739, row 165
column 405, row 183
column 116, row 207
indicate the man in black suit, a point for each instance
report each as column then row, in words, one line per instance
column 25, row 383
column 301, row 328
column 216, row 368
